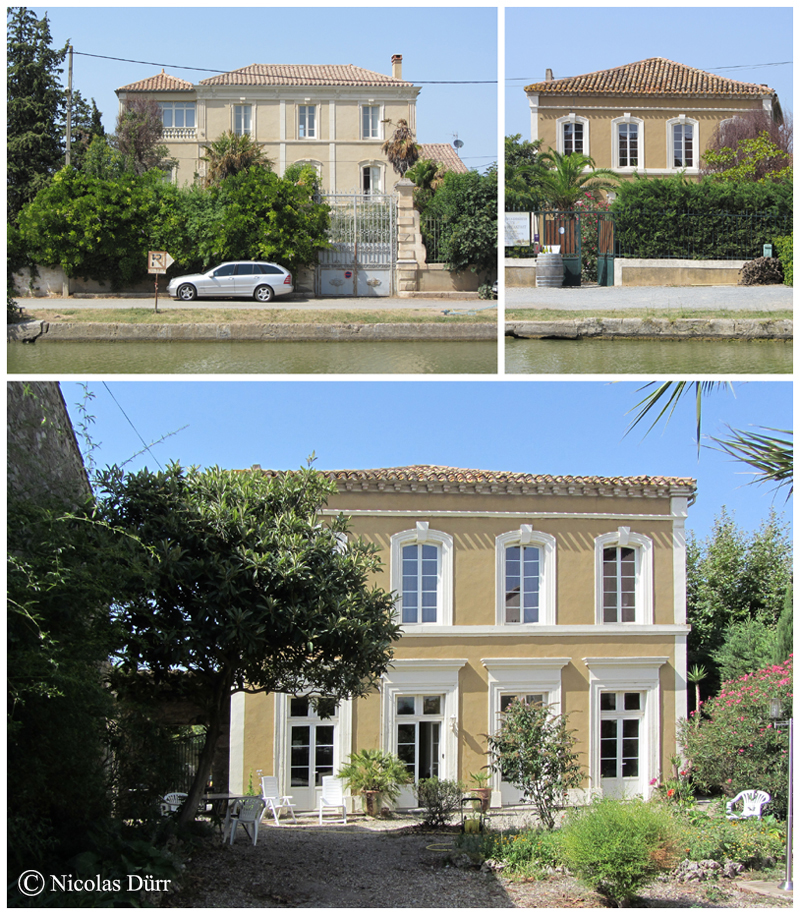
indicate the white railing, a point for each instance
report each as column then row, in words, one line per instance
column 179, row 133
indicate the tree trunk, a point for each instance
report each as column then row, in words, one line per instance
column 222, row 692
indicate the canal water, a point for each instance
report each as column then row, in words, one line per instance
column 249, row 357
column 648, row 357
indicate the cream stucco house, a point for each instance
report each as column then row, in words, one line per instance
column 335, row 117
column 654, row 117
column 570, row 590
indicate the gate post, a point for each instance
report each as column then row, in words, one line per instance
column 410, row 250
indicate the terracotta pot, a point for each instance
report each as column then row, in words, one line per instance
column 373, row 803
column 485, row 795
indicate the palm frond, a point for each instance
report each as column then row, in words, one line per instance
column 770, row 456
column 666, row 395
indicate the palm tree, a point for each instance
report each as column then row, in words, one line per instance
column 400, row 149
column 696, row 675
column 770, row 456
column 230, row 154
column 562, row 180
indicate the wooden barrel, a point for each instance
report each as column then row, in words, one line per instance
column 549, row 270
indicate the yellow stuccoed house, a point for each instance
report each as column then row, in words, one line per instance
column 334, row 117
column 654, row 117
column 569, row 591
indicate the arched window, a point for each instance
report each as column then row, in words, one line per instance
column 628, row 143
column 683, row 148
column 573, row 134
column 526, row 577
column 623, row 578
column 422, row 576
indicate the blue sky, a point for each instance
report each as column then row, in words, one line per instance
column 576, row 40
column 560, row 428
column 436, row 46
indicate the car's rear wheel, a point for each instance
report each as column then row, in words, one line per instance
column 264, row 294
column 187, row 292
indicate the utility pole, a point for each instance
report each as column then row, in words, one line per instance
column 69, row 106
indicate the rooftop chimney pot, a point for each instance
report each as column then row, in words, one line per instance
column 548, row 75
column 397, row 66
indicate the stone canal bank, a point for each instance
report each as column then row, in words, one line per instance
column 653, row 328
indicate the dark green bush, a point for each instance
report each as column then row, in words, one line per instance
column 761, row 271
column 440, row 799
column 616, row 847
column 784, row 245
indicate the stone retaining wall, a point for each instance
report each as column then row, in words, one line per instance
column 654, row 328
column 639, row 272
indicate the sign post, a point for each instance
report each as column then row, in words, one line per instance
column 157, row 263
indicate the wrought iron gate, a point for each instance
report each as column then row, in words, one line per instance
column 363, row 236
column 563, row 228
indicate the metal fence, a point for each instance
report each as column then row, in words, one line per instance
column 433, row 235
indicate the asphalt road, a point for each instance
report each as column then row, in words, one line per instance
column 284, row 303
column 636, row 298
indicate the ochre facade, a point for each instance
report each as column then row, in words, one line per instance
column 454, row 670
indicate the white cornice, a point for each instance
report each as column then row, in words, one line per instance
column 629, row 105
column 439, row 513
column 535, row 631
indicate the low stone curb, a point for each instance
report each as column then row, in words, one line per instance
column 31, row 331
column 655, row 328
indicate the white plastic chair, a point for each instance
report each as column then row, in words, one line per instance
column 172, row 802
column 249, row 811
column 274, row 800
column 752, row 802
column 332, row 797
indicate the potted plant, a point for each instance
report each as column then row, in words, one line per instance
column 376, row 776
column 482, row 789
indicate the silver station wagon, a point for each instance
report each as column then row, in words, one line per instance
column 256, row 279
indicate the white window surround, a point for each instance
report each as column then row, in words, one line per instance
column 315, row 134
column 627, row 675
column 572, row 118
column 640, row 164
column 244, row 104
column 431, row 676
column 280, row 758
column 526, row 536
column 643, row 547
column 694, row 169
column 381, row 117
column 422, row 534
column 373, row 165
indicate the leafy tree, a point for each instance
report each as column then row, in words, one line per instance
column 466, row 205
column 400, row 149
column 736, row 745
column 747, row 646
column 85, row 124
column 245, row 589
column 564, row 179
column 727, row 148
column 138, row 136
column 522, row 173
column 35, row 106
column 734, row 577
column 784, row 634
column 756, row 159
column 230, row 154
column 534, row 751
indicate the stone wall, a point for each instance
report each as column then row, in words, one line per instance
column 43, row 455
column 639, row 272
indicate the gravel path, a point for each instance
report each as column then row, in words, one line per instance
column 384, row 864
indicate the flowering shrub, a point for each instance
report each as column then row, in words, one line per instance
column 736, row 746
column 748, row 842
column 678, row 788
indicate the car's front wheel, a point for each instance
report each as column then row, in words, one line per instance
column 187, row 292
column 264, row 294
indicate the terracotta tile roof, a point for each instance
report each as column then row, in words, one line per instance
column 302, row 75
column 654, row 76
column 161, row 82
column 430, row 478
column 444, row 153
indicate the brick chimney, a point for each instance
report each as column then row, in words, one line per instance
column 397, row 66
column 548, row 75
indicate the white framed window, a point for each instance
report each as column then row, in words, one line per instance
column 422, row 576
column 573, row 134
column 307, row 122
column 371, row 122
column 371, row 182
column 243, row 120
column 682, row 144
column 628, row 140
column 624, row 730
column 418, row 731
column 623, row 578
column 178, row 115
column 526, row 576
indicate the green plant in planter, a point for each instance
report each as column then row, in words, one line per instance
column 482, row 789
column 375, row 775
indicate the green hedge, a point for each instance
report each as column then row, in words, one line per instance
column 673, row 217
column 784, row 246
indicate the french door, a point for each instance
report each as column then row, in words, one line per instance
column 313, row 742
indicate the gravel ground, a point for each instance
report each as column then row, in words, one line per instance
column 391, row 864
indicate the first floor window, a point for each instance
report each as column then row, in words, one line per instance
column 242, row 120
column 628, row 145
column 177, row 114
column 522, row 584
column 420, row 583
column 619, row 584
column 573, row 138
column 370, row 179
column 418, row 722
column 682, row 145
column 312, row 741
column 620, row 722
column 307, row 122
column 370, row 122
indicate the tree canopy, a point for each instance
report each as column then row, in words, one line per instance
column 230, row 154
column 245, row 588
column 138, row 136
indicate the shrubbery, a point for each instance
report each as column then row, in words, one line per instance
column 784, row 246
column 440, row 799
column 749, row 842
